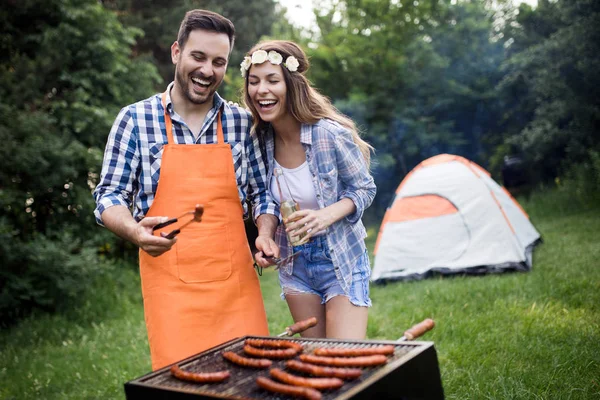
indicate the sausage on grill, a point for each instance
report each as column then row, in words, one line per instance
column 278, row 354
column 359, row 352
column 315, row 383
column 245, row 361
column 199, row 377
column 317, row 370
column 366, row 361
column 297, row 391
column 274, row 344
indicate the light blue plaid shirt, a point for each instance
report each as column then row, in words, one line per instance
column 338, row 170
column 132, row 158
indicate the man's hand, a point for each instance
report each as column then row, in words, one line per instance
column 150, row 243
column 119, row 220
column 264, row 243
column 267, row 247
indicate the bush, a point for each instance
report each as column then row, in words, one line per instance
column 45, row 272
column 583, row 180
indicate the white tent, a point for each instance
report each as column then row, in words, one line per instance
column 450, row 217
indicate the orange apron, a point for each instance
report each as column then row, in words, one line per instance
column 203, row 291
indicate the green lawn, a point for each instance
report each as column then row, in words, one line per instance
column 532, row 335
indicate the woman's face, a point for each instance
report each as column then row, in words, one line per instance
column 268, row 91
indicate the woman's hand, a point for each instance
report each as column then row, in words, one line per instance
column 309, row 222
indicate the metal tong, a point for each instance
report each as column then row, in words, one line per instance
column 278, row 261
column 197, row 217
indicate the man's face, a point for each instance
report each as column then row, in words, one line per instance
column 201, row 65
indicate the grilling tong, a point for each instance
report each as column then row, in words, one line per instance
column 196, row 217
column 278, row 261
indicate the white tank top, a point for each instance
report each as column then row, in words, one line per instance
column 300, row 185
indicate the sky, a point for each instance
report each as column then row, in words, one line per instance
column 300, row 11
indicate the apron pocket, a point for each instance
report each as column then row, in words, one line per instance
column 204, row 255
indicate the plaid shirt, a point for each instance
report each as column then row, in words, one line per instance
column 338, row 171
column 132, row 158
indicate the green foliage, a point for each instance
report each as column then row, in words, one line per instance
column 554, row 69
column 66, row 70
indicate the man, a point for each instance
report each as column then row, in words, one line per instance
column 168, row 153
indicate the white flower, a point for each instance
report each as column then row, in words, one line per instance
column 292, row 64
column 246, row 63
column 259, row 57
column 245, row 66
column 275, row 58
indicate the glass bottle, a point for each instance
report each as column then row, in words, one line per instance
column 287, row 205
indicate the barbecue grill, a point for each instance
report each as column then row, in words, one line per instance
column 411, row 373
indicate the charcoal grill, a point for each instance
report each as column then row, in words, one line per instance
column 411, row 373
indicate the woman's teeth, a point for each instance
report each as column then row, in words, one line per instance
column 267, row 103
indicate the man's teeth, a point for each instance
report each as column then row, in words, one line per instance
column 266, row 103
column 200, row 81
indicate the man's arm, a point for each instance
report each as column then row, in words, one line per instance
column 113, row 194
column 118, row 220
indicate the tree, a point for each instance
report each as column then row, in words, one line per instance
column 66, row 69
column 553, row 68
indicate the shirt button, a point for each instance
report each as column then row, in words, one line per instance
column 318, row 196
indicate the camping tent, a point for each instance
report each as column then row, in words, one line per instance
column 449, row 216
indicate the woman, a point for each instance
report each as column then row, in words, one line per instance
column 325, row 166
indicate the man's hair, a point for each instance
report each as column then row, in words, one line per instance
column 205, row 20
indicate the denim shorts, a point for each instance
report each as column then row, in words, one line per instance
column 313, row 273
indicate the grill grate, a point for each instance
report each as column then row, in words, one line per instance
column 242, row 382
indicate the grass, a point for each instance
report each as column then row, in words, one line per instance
column 532, row 335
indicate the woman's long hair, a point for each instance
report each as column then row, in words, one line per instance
column 304, row 102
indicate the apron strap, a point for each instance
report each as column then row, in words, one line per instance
column 169, row 124
column 220, row 136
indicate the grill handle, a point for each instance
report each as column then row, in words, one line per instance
column 417, row 330
column 299, row 326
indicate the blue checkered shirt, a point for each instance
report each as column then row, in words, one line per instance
column 132, row 158
column 338, row 171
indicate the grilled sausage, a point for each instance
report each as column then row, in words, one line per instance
column 301, row 326
column 201, row 377
column 366, row 361
column 247, row 362
column 368, row 351
column 317, row 370
column 274, row 344
column 315, row 383
column 278, row 354
column 297, row 391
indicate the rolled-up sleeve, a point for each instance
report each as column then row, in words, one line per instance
column 358, row 184
column 121, row 160
column 259, row 196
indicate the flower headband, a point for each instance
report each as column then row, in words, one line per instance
column 260, row 56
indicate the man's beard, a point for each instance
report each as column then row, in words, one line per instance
column 187, row 90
